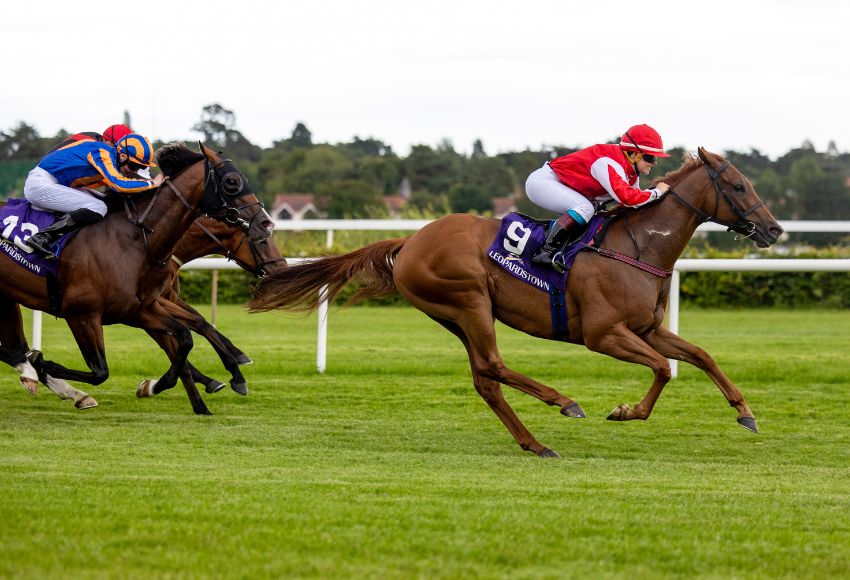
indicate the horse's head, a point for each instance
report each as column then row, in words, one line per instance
column 228, row 197
column 724, row 196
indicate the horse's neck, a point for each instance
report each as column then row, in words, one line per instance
column 662, row 231
column 170, row 219
column 197, row 244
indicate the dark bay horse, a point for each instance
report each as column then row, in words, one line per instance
column 117, row 270
column 209, row 236
column 613, row 308
column 206, row 236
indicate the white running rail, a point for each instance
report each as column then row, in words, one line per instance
column 683, row 265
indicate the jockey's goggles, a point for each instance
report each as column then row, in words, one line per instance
column 651, row 159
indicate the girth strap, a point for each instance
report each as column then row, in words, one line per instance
column 558, row 305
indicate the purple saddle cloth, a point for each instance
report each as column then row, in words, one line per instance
column 19, row 220
column 520, row 236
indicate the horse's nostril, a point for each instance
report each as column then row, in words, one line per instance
column 775, row 231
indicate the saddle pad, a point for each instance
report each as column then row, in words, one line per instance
column 520, row 236
column 19, row 220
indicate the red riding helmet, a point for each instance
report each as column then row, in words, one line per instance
column 643, row 139
column 114, row 133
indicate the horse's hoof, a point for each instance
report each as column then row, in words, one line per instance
column 548, row 454
column 573, row 410
column 86, row 402
column 214, row 386
column 145, row 388
column 619, row 414
column 240, row 388
column 30, row 385
column 748, row 423
column 244, row 359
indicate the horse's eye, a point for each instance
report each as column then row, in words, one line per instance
column 739, row 188
column 232, row 183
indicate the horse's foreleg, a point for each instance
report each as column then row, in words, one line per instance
column 197, row 323
column 176, row 340
column 673, row 346
column 218, row 339
column 623, row 344
column 211, row 385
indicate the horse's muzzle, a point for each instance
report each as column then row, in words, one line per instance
column 767, row 236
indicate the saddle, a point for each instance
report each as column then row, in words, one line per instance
column 21, row 220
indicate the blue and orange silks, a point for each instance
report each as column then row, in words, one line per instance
column 90, row 164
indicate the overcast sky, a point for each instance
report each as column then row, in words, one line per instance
column 724, row 74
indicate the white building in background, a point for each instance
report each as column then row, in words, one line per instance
column 295, row 206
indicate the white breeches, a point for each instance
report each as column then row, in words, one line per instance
column 544, row 189
column 43, row 191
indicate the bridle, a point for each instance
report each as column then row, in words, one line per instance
column 223, row 183
column 259, row 270
column 743, row 225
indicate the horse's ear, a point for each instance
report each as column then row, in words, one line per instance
column 207, row 152
column 704, row 155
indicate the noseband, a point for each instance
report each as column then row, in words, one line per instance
column 742, row 226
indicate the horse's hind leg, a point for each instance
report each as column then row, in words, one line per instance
column 88, row 333
column 28, row 362
column 673, row 346
column 13, row 345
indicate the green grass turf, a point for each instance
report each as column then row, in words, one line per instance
column 390, row 466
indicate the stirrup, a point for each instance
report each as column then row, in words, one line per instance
column 43, row 250
column 558, row 262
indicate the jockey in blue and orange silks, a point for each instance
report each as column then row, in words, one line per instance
column 85, row 163
column 574, row 185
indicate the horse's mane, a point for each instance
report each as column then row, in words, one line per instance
column 673, row 177
column 175, row 157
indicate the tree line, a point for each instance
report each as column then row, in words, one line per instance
column 350, row 179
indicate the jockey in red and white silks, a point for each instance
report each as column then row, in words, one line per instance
column 569, row 185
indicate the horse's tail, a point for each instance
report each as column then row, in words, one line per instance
column 297, row 287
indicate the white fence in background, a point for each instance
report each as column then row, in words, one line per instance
column 683, row 265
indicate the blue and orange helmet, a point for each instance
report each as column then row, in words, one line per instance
column 136, row 148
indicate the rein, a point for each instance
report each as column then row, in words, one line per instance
column 742, row 226
column 128, row 204
column 634, row 262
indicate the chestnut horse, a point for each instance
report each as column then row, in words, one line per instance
column 206, row 236
column 613, row 308
column 116, row 271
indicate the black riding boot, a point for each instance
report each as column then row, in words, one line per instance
column 558, row 234
column 43, row 241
